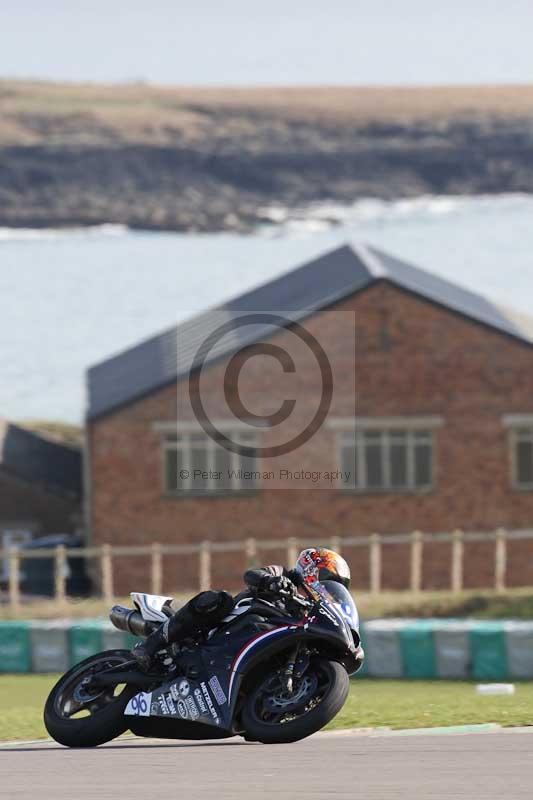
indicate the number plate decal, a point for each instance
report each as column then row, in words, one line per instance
column 139, row 706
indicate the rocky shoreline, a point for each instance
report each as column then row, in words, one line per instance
column 224, row 171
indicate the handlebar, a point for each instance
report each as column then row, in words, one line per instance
column 296, row 599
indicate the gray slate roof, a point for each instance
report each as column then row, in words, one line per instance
column 316, row 285
column 37, row 460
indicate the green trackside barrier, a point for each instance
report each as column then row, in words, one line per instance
column 85, row 639
column 383, row 653
column 418, row 650
column 452, row 649
column 131, row 640
column 15, row 648
column 49, row 645
column 463, row 649
column 488, row 651
column 519, row 644
column 364, row 669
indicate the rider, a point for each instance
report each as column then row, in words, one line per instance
column 207, row 609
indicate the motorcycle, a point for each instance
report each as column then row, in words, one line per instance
column 271, row 672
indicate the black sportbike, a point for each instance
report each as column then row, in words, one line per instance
column 271, row 672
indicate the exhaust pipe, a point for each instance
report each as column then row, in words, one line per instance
column 131, row 621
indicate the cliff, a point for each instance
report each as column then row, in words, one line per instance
column 214, row 159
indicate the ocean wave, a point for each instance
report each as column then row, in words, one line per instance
column 321, row 216
column 47, row 234
column 278, row 220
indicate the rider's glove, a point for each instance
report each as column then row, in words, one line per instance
column 279, row 585
column 295, row 576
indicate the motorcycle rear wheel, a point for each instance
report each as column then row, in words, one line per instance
column 102, row 710
column 273, row 718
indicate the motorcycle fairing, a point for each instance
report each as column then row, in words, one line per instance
column 221, row 664
column 339, row 605
column 245, row 652
column 186, row 700
column 343, row 602
column 205, row 699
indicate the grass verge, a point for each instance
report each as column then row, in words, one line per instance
column 371, row 703
column 22, row 699
column 430, row 704
column 478, row 603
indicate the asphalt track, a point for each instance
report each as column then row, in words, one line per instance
column 476, row 766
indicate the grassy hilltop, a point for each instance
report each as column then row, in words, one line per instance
column 212, row 159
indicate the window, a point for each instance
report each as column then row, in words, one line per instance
column 196, row 464
column 388, row 460
column 522, row 457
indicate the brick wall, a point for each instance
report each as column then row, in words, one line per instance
column 412, row 358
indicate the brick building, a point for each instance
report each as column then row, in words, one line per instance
column 432, row 417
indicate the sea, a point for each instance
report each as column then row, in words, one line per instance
column 71, row 298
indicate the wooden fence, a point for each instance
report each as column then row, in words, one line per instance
column 107, row 556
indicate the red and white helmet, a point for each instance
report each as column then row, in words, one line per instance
column 321, row 564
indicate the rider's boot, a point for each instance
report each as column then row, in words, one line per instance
column 143, row 652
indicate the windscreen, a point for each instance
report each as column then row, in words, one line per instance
column 344, row 602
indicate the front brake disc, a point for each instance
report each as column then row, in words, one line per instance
column 290, row 702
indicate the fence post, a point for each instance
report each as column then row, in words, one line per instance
column 157, row 569
column 500, row 560
column 60, row 576
column 250, row 550
column 375, row 563
column 292, row 551
column 417, row 544
column 205, row 566
column 14, row 578
column 456, row 577
column 106, row 562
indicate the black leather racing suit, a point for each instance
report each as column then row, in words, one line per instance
column 206, row 610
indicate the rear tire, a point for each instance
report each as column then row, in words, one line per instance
column 106, row 718
column 310, row 721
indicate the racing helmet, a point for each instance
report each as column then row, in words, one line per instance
column 321, row 564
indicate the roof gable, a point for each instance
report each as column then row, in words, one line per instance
column 448, row 294
column 39, row 461
column 314, row 286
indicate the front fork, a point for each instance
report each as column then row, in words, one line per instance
column 297, row 663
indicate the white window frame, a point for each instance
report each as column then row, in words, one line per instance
column 184, row 441
column 517, row 435
column 514, row 424
column 353, row 433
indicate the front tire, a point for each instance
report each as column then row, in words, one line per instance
column 274, row 718
column 102, row 711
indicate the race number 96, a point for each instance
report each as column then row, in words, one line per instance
column 139, row 706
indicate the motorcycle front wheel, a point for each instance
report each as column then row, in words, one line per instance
column 271, row 715
column 76, row 715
